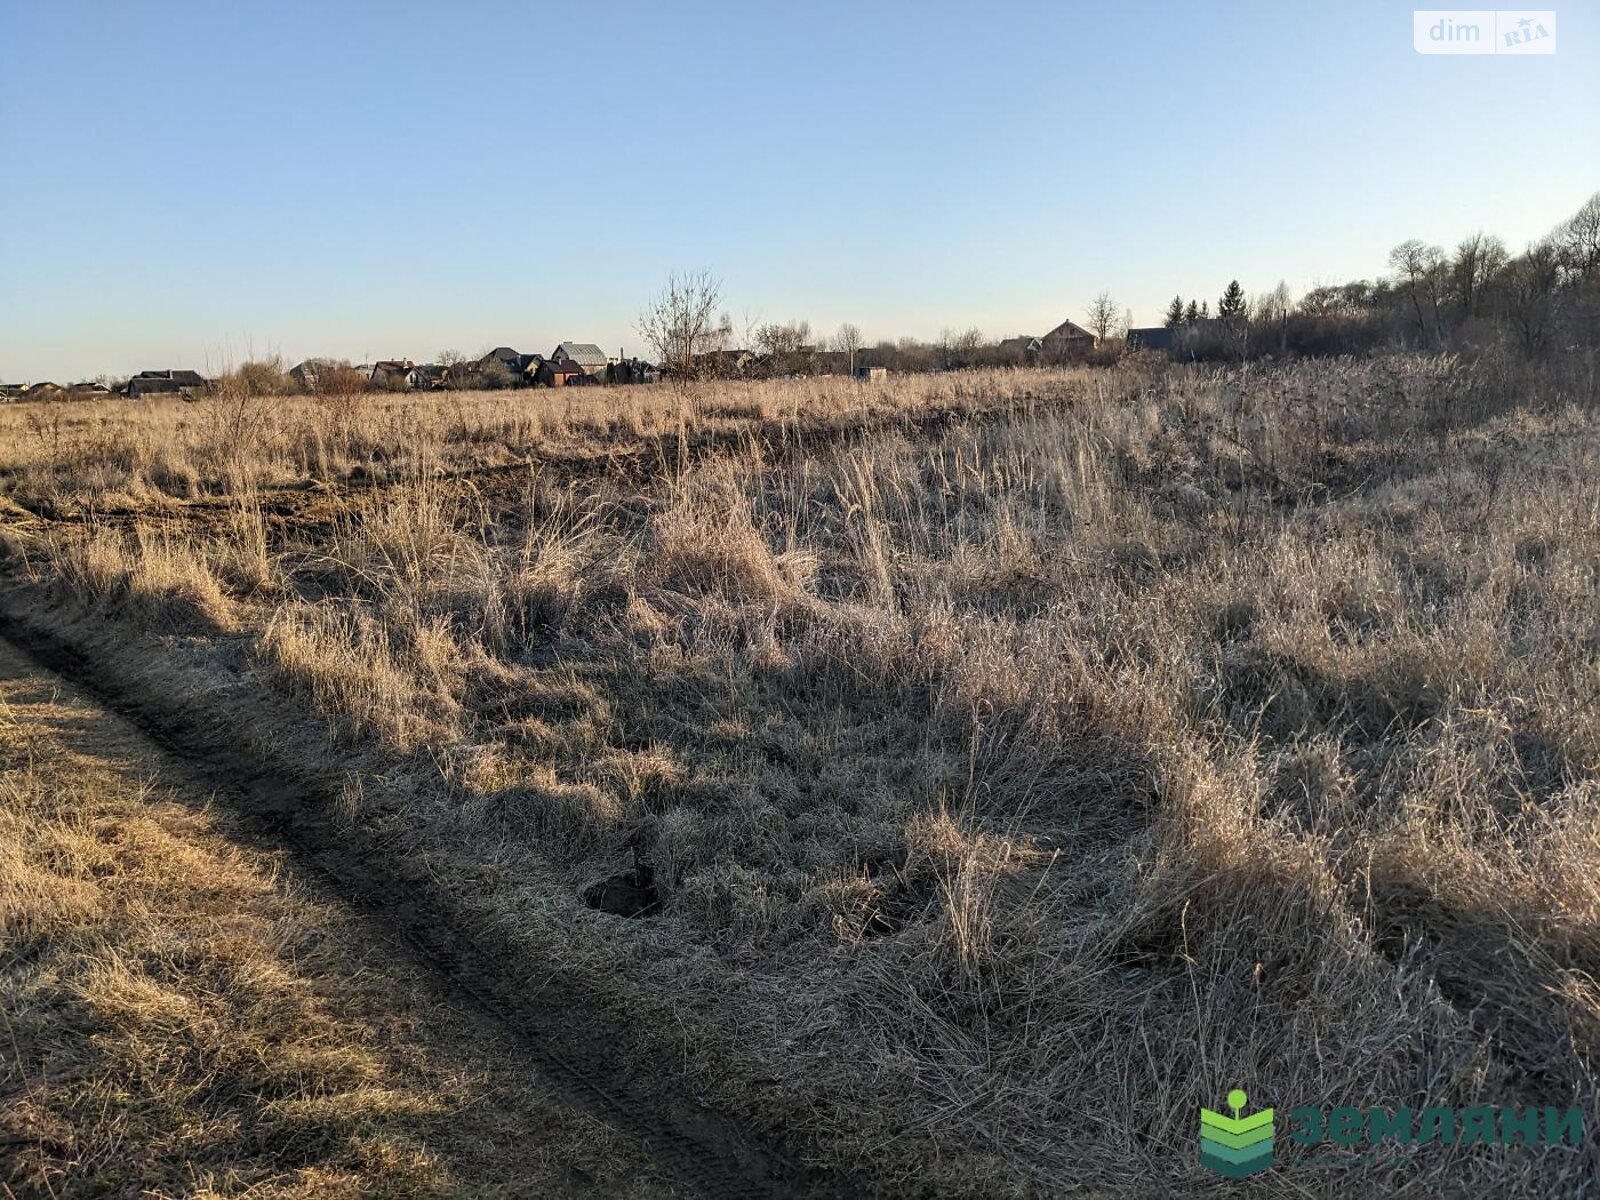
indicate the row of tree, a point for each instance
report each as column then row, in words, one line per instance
column 1479, row 292
column 1476, row 293
column 1547, row 292
column 690, row 336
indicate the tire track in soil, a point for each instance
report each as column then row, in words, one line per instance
column 708, row 1153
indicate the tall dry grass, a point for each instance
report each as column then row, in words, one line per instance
column 63, row 456
column 1014, row 786
column 183, row 1017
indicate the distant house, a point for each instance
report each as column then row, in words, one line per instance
column 155, row 383
column 463, row 376
column 725, row 364
column 1066, row 340
column 326, row 376
column 870, row 374
column 396, row 373
column 830, row 362
column 558, row 373
column 632, row 370
column 1156, row 337
column 590, row 359
column 1019, row 350
column 503, row 356
column 307, row 374
column 430, row 377
column 48, row 390
column 518, row 368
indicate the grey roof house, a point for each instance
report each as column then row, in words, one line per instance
column 430, row 377
column 518, row 367
column 151, row 383
column 589, row 357
column 1155, row 337
column 307, row 374
column 508, row 358
column 632, row 370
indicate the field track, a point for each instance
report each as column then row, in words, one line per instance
column 555, row 1028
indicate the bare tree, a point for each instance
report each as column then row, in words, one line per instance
column 1580, row 241
column 848, row 341
column 681, row 325
column 1478, row 259
column 786, row 348
column 1271, row 306
column 458, row 368
column 774, row 339
column 1528, row 289
column 1271, row 313
column 959, row 348
column 1421, row 268
column 1103, row 315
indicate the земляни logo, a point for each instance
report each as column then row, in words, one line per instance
column 1236, row 1146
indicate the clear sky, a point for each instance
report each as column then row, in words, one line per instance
column 191, row 184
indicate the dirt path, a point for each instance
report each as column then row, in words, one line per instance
column 545, row 1108
column 182, row 1006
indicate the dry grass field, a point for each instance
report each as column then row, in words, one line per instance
column 181, row 1016
column 1005, row 763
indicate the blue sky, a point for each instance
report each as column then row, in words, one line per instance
column 190, row 184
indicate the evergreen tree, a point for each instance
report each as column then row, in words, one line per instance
column 1233, row 308
column 1175, row 312
column 1191, row 315
column 1205, row 310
